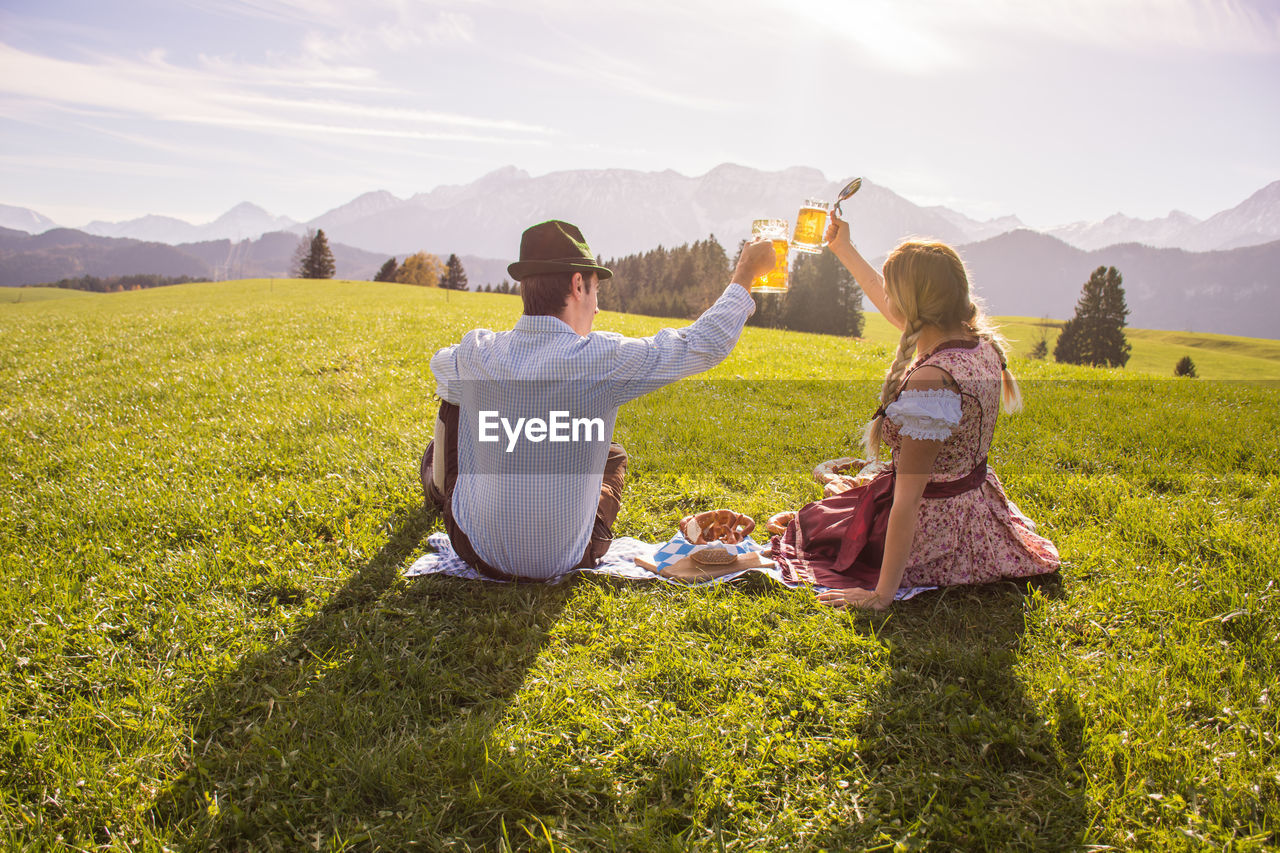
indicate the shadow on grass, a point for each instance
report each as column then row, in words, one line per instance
column 957, row 755
column 353, row 728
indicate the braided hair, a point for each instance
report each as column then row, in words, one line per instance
column 926, row 281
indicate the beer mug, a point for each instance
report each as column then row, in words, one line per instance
column 811, row 225
column 775, row 231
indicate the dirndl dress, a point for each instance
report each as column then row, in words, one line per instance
column 968, row 531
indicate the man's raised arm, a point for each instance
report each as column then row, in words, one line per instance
column 646, row 364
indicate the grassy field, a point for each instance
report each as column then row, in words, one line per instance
column 209, row 492
column 1154, row 352
column 42, row 294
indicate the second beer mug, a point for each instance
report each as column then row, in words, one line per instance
column 774, row 230
column 811, row 224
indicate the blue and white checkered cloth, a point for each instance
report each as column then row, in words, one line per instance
column 677, row 547
column 619, row 561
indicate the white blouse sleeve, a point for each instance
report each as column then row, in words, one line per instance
column 930, row 415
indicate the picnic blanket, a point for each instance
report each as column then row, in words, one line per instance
column 619, row 561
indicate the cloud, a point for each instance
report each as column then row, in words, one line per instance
column 666, row 52
column 285, row 11
column 298, row 73
column 391, row 36
column 214, row 95
column 337, row 30
column 91, row 165
column 615, row 76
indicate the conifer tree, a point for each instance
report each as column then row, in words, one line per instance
column 822, row 297
column 1041, row 350
column 319, row 261
column 1185, row 367
column 1095, row 335
column 387, row 272
column 454, row 276
column 298, row 266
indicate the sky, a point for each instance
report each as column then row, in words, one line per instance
column 1053, row 111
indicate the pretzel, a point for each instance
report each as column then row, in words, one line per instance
column 717, row 525
column 777, row 524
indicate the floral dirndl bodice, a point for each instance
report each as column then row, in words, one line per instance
column 976, row 368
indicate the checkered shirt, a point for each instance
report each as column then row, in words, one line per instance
column 528, row 504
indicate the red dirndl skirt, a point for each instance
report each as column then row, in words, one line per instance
column 838, row 542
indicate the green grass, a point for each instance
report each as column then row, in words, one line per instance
column 1154, row 352
column 42, row 294
column 209, row 492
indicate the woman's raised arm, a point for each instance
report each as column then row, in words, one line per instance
column 871, row 282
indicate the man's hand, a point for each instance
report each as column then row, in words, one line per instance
column 757, row 258
column 861, row 598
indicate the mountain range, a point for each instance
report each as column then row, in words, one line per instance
column 625, row 211
column 1231, row 291
column 245, row 221
column 1216, row 274
column 66, row 253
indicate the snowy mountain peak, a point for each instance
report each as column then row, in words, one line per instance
column 505, row 175
column 24, row 219
column 1271, row 191
column 244, row 221
column 975, row 229
column 1254, row 220
column 244, row 210
column 377, row 197
column 366, row 204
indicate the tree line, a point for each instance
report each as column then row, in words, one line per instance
column 314, row 259
column 424, row 269
column 678, row 282
column 504, row 287
column 118, row 283
column 683, row 281
column 822, row 297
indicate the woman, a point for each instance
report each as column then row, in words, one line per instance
column 939, row 516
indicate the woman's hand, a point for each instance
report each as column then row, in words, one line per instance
column 871, row 282
column 837, row 230
column 863, row 599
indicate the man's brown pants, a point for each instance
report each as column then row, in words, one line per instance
column 438, row 485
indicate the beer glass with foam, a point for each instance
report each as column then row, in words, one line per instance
column 775, row 231
column 811, row 225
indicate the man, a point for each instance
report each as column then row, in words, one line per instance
column 523, row 464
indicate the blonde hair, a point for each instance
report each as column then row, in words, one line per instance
column 927, row 283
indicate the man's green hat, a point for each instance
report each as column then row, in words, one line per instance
column 555, row 246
